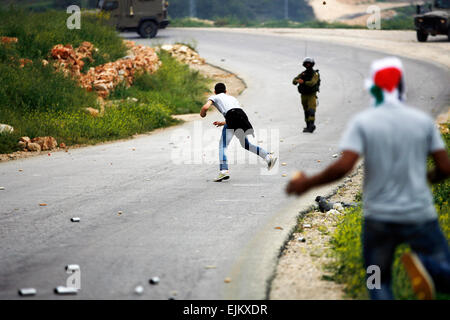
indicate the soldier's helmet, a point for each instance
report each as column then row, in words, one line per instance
column 308, row 60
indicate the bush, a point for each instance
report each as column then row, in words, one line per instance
column 39, row 32
column 8, row 142
column 174, row 85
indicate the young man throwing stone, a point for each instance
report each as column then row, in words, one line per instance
column 236, row 124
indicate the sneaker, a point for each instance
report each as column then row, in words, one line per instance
column 271, row 161
column 421, row 281
column 223, row 175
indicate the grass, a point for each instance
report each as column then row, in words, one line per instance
column 347, row 248
column 38, row 101
column 402, row 21
column 174, row 85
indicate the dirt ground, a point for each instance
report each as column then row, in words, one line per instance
column 235, row 86
column 300, row 271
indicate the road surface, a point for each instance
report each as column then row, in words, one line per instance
column 176, row 223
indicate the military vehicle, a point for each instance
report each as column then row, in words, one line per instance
column 143, row 16
column 433, row 20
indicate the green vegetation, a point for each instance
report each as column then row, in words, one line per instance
column 402, row 21
column 346, row 247
column 174, row 86
column 242, row 10
column 232, row 22
column 38, row 101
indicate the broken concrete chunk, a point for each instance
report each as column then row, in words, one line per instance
column 26, row 292
column 154, row 280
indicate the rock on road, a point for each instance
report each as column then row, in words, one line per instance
column 175, row 221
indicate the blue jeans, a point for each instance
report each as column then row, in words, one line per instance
column 225, row 139
column 380, row 240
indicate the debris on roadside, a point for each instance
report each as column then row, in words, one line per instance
column 154, row 280
column 139, row 290
column 307, row 225
column 210, row 267
column 6, row 128
column 75, row 219
column 27, row 292
column 183, row 53
column 2, row 188
column 61, row 290
column 279, row 228
column 227, row 280
column 335, row 155
column 42, row 204
column 301, row 239
column 104, row 78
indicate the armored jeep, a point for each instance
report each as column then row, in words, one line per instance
column 143, row 16
column 433, row 21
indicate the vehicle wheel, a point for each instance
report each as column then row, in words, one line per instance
column 148, row 29
column 421, row 36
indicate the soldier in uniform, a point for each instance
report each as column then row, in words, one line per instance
column 308, row 85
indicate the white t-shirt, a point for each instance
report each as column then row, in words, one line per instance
column 224, row 102
column 395, row 141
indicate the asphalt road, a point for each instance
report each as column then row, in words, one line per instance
column 175, row 220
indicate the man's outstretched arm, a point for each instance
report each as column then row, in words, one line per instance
column 205, row 108
column 333, row 172
column 441, row 170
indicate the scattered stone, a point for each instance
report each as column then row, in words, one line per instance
column 284, row 175
column 183, row 53
column 20, row 170
column 26, row 292
column 210, row 267
column 139, row 290
column 42, row 204
column 119, row 213
column 6, row 128
column 106, row 77
column 306, row 225
column 318, row 160
column 75, row 219
column 8, row 40
column 338, row 206
column 46, row 143
column 93, row 112
column 154, row 280
column 2, row 188
column 301, row 239
column 33, row 147
column 65, row 290
column 335, row 155
column 22, row 145
column 72, row 267
column 333, row 212
column 62, row 145
column 279, row 228
column 227, row 280
column 284, row 164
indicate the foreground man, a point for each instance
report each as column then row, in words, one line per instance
column 308, row 85
column 236, row 124
column 394, row 140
